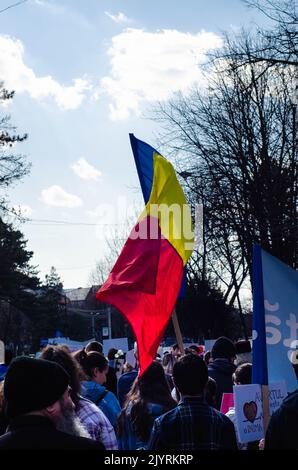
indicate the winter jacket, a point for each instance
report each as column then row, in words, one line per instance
column 221, row 370
column 124, row 385
column 104, row 399
column 128, row 439
column 111, row 382
column 38, row 432
column 3, row 370
column 282, row 429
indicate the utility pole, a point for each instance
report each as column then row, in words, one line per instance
column 93, row 325
column 93, row 315
column 110, row 322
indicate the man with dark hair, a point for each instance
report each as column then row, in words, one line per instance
column 243, row 374
column 193, row 424
column 194, row 349
column 170, row 359
column 222, row 367
column 94, row 346
column 39, row 408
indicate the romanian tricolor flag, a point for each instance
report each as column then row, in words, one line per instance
column 145, row 281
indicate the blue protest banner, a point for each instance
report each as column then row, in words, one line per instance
column 278, row 287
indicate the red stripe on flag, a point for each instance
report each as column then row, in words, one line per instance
column 143, row 286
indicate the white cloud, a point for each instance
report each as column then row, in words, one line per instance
column 147, row 67
column 119, row 18
column 21, row 78
column 23, row 210
column 85, row 171
column 58, row 197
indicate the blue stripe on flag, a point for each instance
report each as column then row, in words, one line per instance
column 260, row 367
column 143, row 155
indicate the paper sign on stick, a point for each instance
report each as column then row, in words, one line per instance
column 249, row 412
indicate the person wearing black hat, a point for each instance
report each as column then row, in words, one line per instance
column 222, row 367
column 38, row 405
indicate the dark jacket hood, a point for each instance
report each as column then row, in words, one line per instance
column 223, row 366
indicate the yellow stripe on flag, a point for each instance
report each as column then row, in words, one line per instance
column 168, row 203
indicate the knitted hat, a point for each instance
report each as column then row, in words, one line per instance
column 223, row 348
column 32, row 385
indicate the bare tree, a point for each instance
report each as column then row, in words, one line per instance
column 236, row 149
column 277, row 46
column 114, row 242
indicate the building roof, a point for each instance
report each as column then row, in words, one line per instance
column 78, row 294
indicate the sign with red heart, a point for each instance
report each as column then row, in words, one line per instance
column 250, row 411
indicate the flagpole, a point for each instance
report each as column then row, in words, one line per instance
column 259, row 356
column 177, row 331
column 266, row 410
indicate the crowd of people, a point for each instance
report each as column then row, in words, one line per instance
column 65, row 400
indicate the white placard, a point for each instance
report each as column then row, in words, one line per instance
column 249, row 408
column 117, row 343
column 209, row 344
column 277, row 393
column 2, row 352
column 71, row 344
column 248, row 412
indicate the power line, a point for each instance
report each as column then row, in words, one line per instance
column 62, row 223
column 65, row 222
column 14, row 5
column 58, row 223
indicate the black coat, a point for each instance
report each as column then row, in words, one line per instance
column 221, row 370
column 124, row 385
column 283, row 425
column 38, row 432
column 111, row 383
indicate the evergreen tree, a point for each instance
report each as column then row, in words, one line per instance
column 17, row 276
column 50, row 312
column 13, row 166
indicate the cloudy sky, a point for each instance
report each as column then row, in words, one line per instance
column 86, row 72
